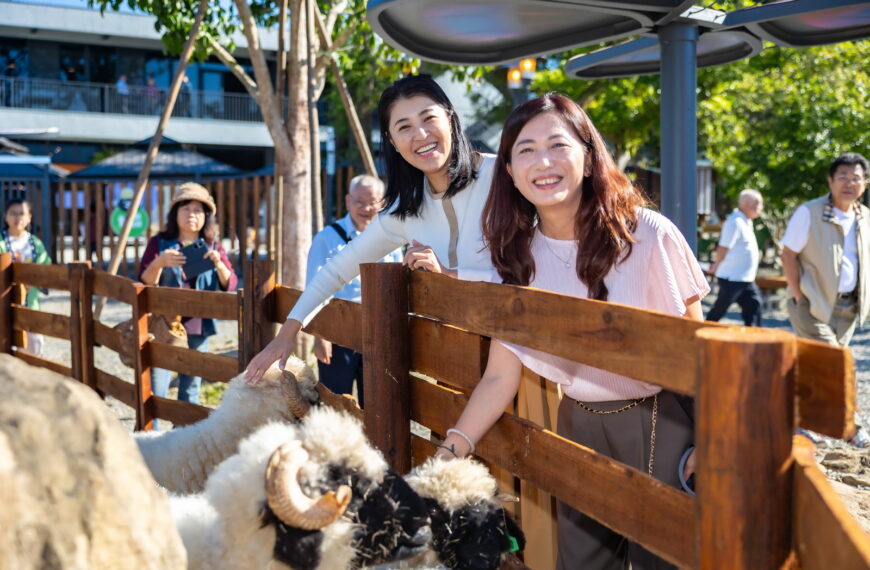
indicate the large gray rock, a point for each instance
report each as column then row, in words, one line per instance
column 74, row 491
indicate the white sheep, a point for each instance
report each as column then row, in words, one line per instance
column 470, row 528
column 182, row 459
column 323, row 467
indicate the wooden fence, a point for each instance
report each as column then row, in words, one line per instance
column 762, row 501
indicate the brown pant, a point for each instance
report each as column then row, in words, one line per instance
column 838, row 331
column 585, row 543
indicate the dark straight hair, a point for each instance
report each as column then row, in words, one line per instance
column 404, row 182
column 605, row 219
column 849, row 159
column 171, row 229
column 15, row 202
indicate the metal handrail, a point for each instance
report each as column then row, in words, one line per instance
column 29, row 93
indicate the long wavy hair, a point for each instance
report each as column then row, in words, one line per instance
column 405, row 182
column 604, row 222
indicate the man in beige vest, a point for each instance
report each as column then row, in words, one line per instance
column 826, row 258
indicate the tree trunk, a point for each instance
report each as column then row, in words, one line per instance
column 313, row 119
column 296, row 161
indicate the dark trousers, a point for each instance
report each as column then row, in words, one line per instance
column 744, row 293
column 345, row 367
column 625, row 437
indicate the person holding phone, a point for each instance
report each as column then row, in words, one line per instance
column 164, row 263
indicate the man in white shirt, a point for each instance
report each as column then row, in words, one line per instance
column 340, row 366
column 826, row 258
column 737, row 262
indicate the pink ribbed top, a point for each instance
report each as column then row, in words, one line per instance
column 661, row 274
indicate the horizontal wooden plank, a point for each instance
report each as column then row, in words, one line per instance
column 179, row 413
column 771, row 282
column 50, row 324
column 44, row 276
column 214, row 367
column 448, row 354
column 285, row 298
column 107, row 336
column 341, row 402
column 825, row 534
column 116, row 388
column 114, row 287
column 34, row 360
column 192, row 303
column 620, row 497
column 421, row 449
column 825, row 388
column 641, row 344
column 339, row 322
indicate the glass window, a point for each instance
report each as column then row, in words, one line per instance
column 13, row 57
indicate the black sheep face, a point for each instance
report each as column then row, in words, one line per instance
column 394, row 522
column 297, row 548
column 473, row 537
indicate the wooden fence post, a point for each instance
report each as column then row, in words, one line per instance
column 744, row 438
column 258, row 328
column 387, row 361
column 82, row 358
column 6, row 303
column 142, row 370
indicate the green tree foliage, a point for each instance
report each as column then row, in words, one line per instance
column 773, row 122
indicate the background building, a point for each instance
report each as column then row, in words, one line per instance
column 101, row 81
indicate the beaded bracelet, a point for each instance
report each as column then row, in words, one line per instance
column 464, row 436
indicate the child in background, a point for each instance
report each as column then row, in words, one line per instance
column 25, row 248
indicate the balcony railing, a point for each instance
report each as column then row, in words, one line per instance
column 106, row 98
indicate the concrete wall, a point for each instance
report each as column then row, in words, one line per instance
column 82, row 25
column 126, row 129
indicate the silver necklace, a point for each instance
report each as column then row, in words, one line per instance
column 565, row 262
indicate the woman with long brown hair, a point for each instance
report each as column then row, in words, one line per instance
column 561, row 216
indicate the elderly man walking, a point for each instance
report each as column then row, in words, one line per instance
column 737, row 262
column 826, row 259
column 340, row 366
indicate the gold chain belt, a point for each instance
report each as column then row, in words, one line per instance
column 639, row 401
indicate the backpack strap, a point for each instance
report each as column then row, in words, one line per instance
column 340, row 231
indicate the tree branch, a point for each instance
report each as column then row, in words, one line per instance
column 340, row 40
column 335, row 11
column 268, row 101
column 236, row 68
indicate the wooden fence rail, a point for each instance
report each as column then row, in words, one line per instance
column 425, row 339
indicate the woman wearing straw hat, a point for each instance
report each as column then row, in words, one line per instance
column 190, row 216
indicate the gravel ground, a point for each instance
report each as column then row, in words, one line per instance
column 847, row 467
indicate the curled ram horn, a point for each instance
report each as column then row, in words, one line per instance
column 296, row 402
column 285, row 496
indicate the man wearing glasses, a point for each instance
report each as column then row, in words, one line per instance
column 340, row 366
column 826, row 258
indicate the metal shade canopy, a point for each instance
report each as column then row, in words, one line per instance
column 805, row 23
column 497, row 31
column 643, row 56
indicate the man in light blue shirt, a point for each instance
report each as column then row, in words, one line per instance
column 340, row 366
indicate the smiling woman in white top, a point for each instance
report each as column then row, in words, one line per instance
column 561, row 216
column 436, row 189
